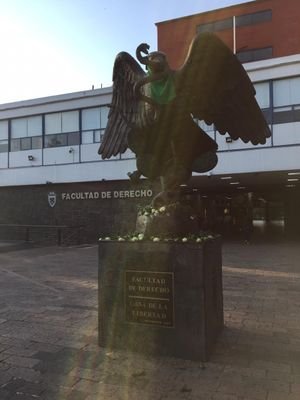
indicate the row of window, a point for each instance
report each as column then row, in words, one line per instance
column 254, row 54
column 278, row 99
column 57, row 140
column 248, row 55
column 240, row 20
column 56, row 123
column 54, row 130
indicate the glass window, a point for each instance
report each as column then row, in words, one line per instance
column 26, row 127
column 26, row 143
column 104, row 116
column 36, row 142
column 254, row 18
column 240, row 20
column 34, row 126
column 285, row 115
column 3, row 130
column 18, row 127
column 286, row 91
column 216, row 25
column 87, row 137
column 98, row 136
column 255, row 54
column 73, row 138
column 70, row 121
column 263, row 94
column 3, row 146
column 56, row 140
column 91, row 118
column 296, row 115
column 268, row 115
column 52, row 123
column 15, row 145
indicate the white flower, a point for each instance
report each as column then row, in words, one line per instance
column 134, row 239
column 184, row 240
column 155, row 213
column 107, row 238
column 198, row 240
column 140, row 236
column 146, row 214
column 209, row 237
column 156, row 239
column 120, row 239
column 100, row 239
column 162, row 209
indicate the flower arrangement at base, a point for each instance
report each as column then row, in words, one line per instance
column 135, row 237
column 170, row 223
column 174, row 219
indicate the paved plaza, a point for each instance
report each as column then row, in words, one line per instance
column 48, row 332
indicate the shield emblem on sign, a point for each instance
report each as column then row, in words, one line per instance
column 52, row 199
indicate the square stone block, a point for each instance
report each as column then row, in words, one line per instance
column 161, row 298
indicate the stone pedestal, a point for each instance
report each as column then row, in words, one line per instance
column 161, row 298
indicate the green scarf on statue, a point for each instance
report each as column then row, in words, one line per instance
column 163, row 90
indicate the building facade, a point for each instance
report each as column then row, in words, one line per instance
column 52, row 175
column 265, row 36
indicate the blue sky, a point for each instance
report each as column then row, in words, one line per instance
column 51, row 47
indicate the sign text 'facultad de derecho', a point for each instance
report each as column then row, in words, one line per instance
column 113, row 194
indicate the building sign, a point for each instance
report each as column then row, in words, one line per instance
column 99, row 195
column 112, row 194
column 149, row 298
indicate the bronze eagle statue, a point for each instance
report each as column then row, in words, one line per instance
column 155, row 113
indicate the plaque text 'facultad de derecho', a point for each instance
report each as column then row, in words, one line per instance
column 149, row 297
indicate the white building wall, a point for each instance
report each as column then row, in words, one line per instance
column 81, row 162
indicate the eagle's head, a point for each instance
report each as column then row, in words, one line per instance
column 157, row 61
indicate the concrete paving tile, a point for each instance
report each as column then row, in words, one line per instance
column 257, row 354
column 90, row 387
column 26, row 374
column 19, row 351
column 21, row 361
column 278, row 396
column 295, row 388
column 32, row 389
column 268, row 365
column 63, row 394
column 4, row 395
column 5, row 377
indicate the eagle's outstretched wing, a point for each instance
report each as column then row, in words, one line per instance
column 214, row 87
column 126, row 109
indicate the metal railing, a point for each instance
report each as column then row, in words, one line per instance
column 59, row 231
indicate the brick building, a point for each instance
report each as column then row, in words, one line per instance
column 257, row 30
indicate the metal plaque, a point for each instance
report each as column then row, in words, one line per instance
column 149, row 297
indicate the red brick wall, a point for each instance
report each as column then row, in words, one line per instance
column 283, row 32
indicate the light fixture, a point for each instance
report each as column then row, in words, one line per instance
column 234, row 183
column 293, row 173
column 290, row 186
column 226, row 177
column 30, row 157
column 293, row 180
column 241, row 187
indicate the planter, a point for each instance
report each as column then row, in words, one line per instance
column 161, row 298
